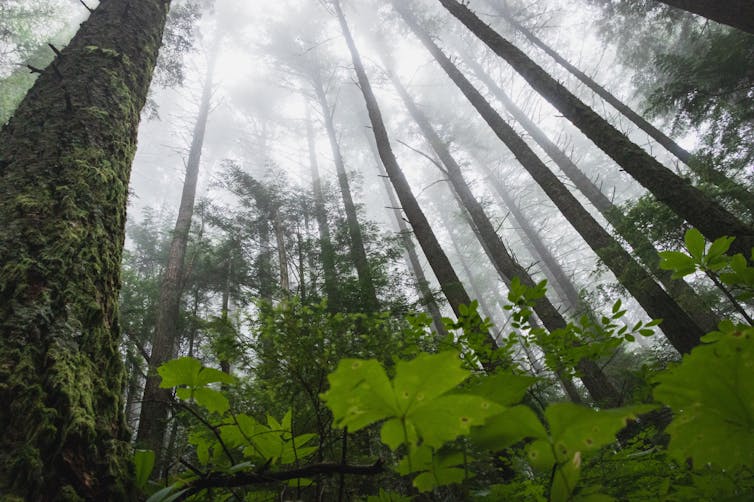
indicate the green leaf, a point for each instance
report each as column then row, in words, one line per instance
column 509, row 427
column 680, row 263
column 167, row 494
column 144, row 464
column 695, row 243
column 712, row 398
column 189, row 372
column 445, row 418
column 719, row 247
column 426, row 377
column 360, row 394
column 212, row 400
column 539, row 454
column 575, row 428
column 503, row 388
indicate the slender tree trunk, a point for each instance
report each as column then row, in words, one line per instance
column 225, row 308
column 414, row 265
column 320, row 213
column 697, row 208
column 561, row 283
column 358, row 252
column 736, row 13
column 449, row 282
column 155, row 402
column 65, row 160
column 265, row 277
column 277, row 224
column 680, row 329
column 681, row 291
column 705, row 172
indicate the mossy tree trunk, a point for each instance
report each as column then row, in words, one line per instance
column 680, row 329
column 700, row 210
column 65, row 160
column 156, row 401
column 736, row 13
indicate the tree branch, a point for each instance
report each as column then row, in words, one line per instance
column 224, row 480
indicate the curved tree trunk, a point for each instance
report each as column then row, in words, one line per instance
column 65, row 161
column 358, row 252
column 679, row 328
column 681, row 291
column 155, row 402
column 697, row 208
column 327, row 253
column 736, row 13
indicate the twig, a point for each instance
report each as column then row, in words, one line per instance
column 91, row 11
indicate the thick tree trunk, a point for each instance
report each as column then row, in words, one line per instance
column 681, row 331
column 155, row 402
column 642, row 246
column 327, row 253
column 65, row 160
column 707, row 215
column 704, row 172
column 358, row 252
column 414, row 265
column 736, row 13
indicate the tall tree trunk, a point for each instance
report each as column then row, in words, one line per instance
column 449, row 282
column 155, row 402
column 65, row 160
column 414, row 265
column 277, row 225
column 680, row 329
column 697, row 208
column 701, row 169
column 736, row 13
column 642, row 246
column 561, row 283
column 358, row 252
column 327, row 253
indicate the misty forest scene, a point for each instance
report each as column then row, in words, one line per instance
column 377, row 250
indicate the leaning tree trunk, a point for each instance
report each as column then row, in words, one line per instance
column 736, row 13
column 697, row 208
column 358, row 252
column 155, row 402
column 450, row 284
column 65, row 161
column 704, row 171
column 327, row 253
column 681, row 291
column 414, row 265
column 679, row 328
column 600, row 388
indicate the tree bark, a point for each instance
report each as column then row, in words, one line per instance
column 155, row 401
column 277, row 225
column 65, row 160
column 736, row 13
column 681, row 291
column 705, row 172
column 681, row 331
column 438, row 260
column 358, row 252
column 697, row 208
column 327, row 253
column 414, row 265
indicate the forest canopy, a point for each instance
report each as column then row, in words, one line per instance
column 377, row 250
